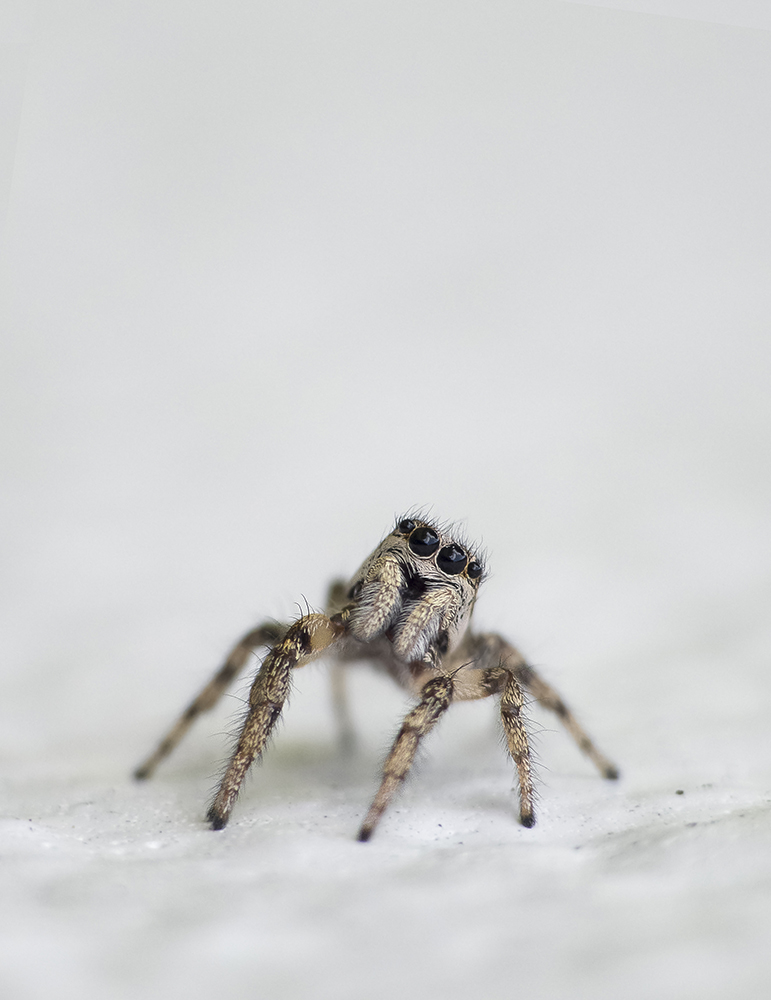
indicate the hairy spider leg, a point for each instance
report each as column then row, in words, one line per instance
column 490, row 647
column 435, row 698
column 309, row 636
column 547, row 696
column 479, row 673
column 512, row 703
column 264, row 635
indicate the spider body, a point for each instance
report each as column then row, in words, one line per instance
column 407, row 610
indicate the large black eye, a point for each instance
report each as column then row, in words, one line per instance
column 452, row 559
column 405, row 526
column 424, row 541
column 474, row 569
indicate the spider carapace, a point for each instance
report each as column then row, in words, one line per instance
column 407, row 610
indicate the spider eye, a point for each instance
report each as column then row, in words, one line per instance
column 474, row 569
column 424, row 541
column 405, row 526
column 452, row 559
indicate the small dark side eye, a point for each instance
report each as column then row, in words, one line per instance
column 406, row 526
column 474, row 569
column 452, row 559
column 424, row 541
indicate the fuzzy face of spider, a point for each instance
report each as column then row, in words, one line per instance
column 417, row 589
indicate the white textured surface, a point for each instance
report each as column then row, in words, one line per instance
column 272, row 272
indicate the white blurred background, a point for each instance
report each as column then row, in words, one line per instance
column 274, row 272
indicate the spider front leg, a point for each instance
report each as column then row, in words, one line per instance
column 435, row 698
column 305, row 639
column 211, row 693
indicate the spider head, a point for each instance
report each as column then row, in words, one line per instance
column 418, row 589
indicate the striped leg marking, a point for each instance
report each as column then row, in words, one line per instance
column 546, row 695
column 211, row 693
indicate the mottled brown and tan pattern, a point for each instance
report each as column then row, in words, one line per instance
column 434, row 701
column 406, row 611
column 236, row 660
column 305, row 639
column 492, row 650
column 546, row 695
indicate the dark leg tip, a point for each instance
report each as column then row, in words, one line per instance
column 141, row 774
column 364, row 834
column 528, row 820
column 217, row 822
column 612, row 773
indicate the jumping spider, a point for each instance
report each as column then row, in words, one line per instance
column 407, row 610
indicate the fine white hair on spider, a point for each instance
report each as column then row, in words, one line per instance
column 407, row 611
